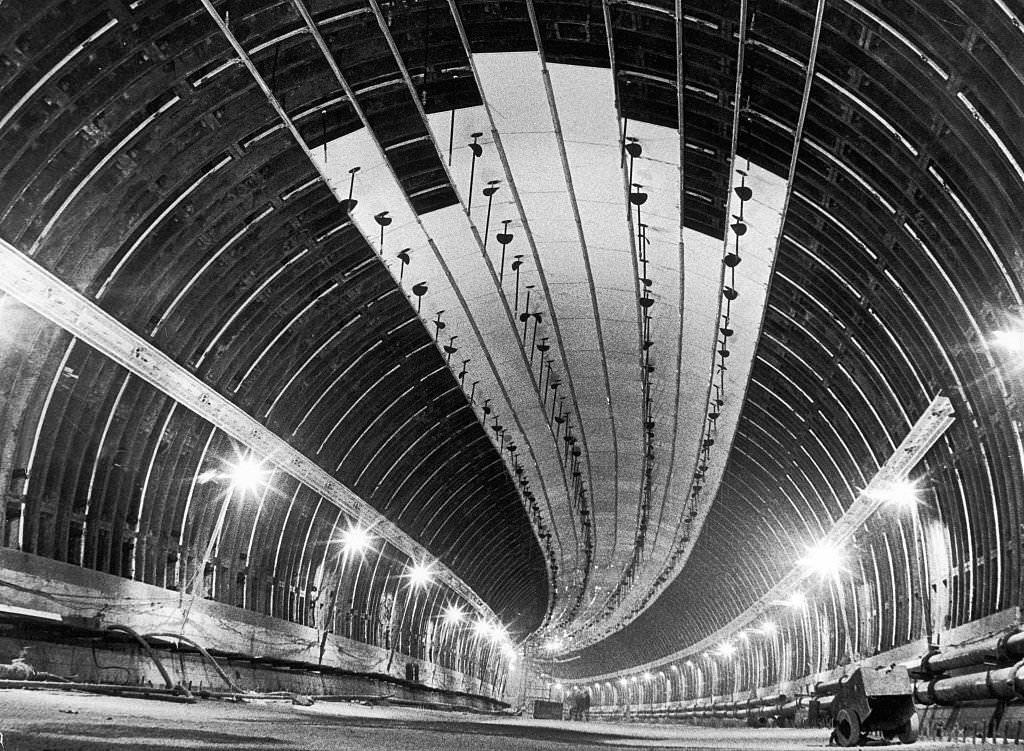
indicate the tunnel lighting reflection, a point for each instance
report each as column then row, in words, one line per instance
column 553, row 645
column 726, row 649
column 453, row 615
column 355, row 539
column 481, row 627
column 768, row 628
column 823, row 558
column 420, row 575
column 1011, row 340
column 901, row 493
column 247, row 474
column 499, row 633
column 796, row 601
column 647, row 676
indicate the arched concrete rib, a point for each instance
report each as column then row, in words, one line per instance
column 38, row 289
column 375, row 146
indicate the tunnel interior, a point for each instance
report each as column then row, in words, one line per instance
column 567, row 327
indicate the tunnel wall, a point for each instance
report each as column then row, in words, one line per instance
column 87, row 602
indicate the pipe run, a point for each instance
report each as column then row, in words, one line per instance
column 171, row 686
column 1003, row 684
column 202, row 650
column 1000, row 648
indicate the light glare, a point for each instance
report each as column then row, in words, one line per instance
column 824, row 559
column 902, row 493
column 796, row 600
column 420, row 575
column 355, row 539
column 1011, row 340
column 247, row 474
column 453, row 615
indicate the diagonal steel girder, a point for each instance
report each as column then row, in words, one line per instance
column 29, row 283
column 922, row 436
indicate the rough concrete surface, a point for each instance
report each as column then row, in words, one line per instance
column 64, row 721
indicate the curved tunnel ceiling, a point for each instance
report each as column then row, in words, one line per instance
column 609, row 306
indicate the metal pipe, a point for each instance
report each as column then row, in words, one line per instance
column 147, row 692
column 1003, row 648
column 119, row 627
column 203, row 652
column 1003, row 684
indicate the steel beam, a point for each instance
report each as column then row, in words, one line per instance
column 930, row 426
column 31, row 284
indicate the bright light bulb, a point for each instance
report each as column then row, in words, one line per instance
column 647, row 676
column 796, row 600
column 824, row 559
column 1011, row 340
column 902, row 493
column 553, row 645
column 768, row 628
column 420, row 575
column 247, row 474
column 498, row 633
column 453, row 615
column 481, row 627
column 355, row 539
column 727, row 649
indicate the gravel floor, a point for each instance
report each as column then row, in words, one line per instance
column 64, row 721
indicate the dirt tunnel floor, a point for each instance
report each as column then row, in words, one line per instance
column 59, row 721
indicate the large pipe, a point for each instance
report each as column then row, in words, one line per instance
column 1005, row 647
column 1004, row 683
column 109, row 689
column 120, row 627
column 202, row 650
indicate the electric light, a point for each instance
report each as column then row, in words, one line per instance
column 481, row 627
column 796, row 600
column 553, row 645
column 726, row 649
column 420, row 574
column 355, row 539
column 768, row 628
column 498, row 633
column 823, row 558
column 453, row 614
column 901, row 493
column 647, row 676
column 1011, row 340
column 247, row 474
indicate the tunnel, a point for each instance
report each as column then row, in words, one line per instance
column 662, row 358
